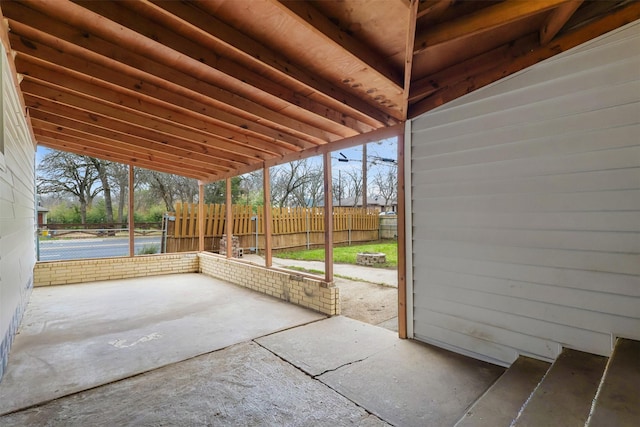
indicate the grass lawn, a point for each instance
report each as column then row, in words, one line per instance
column 347, row 254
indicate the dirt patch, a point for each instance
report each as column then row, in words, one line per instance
column 367, row 302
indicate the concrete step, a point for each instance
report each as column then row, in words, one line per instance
column 564, row 397
column 618, row 399
column 502, row 401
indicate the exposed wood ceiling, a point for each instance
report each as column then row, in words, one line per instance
column 211, row 89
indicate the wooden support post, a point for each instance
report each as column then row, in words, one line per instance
column 200, row 216
column 266, row 186
column 364, row 176
column 132, row 249
column 229, row 220
column 328, row 218
column 402, row 264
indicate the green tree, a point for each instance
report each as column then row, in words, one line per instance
column 66, row 173
column 215, row 192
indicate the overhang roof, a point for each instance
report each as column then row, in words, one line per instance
column 211, row 89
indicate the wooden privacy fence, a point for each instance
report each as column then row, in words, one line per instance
column 291, row 227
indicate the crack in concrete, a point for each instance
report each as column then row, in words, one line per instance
column 316, row 378
column 341, row 366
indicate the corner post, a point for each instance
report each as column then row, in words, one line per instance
column 229, row 220
column 132, row 250
column 266, row 186
column 200, row 216
column 328, row 218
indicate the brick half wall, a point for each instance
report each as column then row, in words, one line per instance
column 93, row 270
column 293, row 287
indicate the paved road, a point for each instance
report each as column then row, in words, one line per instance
column 56, row 250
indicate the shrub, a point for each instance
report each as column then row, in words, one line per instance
column 148, row 250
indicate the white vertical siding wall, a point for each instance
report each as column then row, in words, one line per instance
column 526, row 208
column 17, row 213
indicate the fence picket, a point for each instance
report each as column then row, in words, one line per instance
column 293, row 222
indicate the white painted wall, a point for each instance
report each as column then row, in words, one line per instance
column 17, row 213
column 526, row 208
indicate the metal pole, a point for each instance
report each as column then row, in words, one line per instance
column 257, row 224
column 165, row 231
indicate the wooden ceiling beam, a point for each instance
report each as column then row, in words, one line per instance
column 168, row 141
column 25, row 39
column 118, row 97
column 221, row 71
column 482, row 21
column 408, row 54
column 140, row 120
column 56, row 19
column 306, row 14
column 365, row 138
column 49, row 120
column 55, row 144
column 57, row 120
column 206, row 28
column 501, row 55
column 433, row 8
column 525, row 56
column 144, row 149
column 95, row 149
column 556, row 20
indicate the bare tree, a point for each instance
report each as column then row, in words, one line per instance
column 353, row 184
column 67, row 173
column 339, row 188
column 291, row 183
column 386, row 183
column 169, row 188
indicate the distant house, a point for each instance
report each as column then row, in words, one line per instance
column 373, row 202
column 42, row 215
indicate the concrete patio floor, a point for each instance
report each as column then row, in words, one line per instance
column 191, row 350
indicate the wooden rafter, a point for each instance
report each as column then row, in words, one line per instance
column 365, row 138
column 83, row 149
column 118, row 96
column 221, row 71
column 433, row 8
column 104, row 139
column 408, row 61
column 557, row 19
column 51, row 111
column 305, row 13
column 160, row 63
column 482, row 21
column 49, row 96
column 521, row 54
column 213, row 89
column 28, row 40
column 214, row 33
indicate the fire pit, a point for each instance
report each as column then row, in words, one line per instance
column 370, row 258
